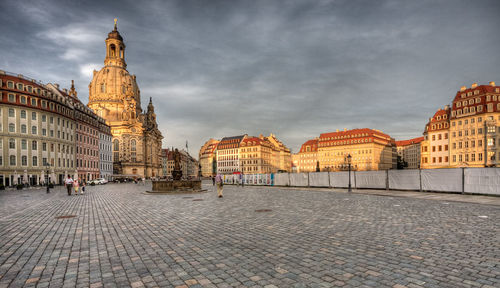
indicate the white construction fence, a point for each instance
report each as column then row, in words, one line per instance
column 458, row 180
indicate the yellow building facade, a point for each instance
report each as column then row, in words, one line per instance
column 475, row 127
column 207, row 158
column 369, row 150
column 115, row 96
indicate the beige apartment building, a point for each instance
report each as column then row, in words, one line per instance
column 247, row 154
column 282, row 159
column 435, row 148
column 207, row 158
column 409, row 151
column 256, row 156
column 369, row 150
column 307, row 158
column 228, row 154
column 37, row 132
column 475, row 127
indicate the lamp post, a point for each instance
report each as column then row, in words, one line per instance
column 47, row 165
column 242, row 175
column 349, row 167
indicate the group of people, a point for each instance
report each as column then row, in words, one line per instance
column 74, row 185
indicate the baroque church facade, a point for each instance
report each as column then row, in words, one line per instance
column 115, row 96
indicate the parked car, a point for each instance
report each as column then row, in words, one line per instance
column 98, row 181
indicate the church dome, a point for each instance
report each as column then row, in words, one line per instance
column 113, row 83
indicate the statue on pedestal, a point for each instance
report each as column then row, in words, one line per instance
column 177, row 173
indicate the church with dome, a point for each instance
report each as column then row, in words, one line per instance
column 115, row 96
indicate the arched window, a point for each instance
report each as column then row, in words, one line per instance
column 133, row 148
column 33, row 130
column 116, row 153
column 112, row 50
column 12, row 143
column 122, row 52
column 24, row 160
column 12, row 160
column 24, row 144
column 23, row 114
column 133, row 145
column 12, row 127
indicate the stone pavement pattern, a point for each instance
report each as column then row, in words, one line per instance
column 121, row 237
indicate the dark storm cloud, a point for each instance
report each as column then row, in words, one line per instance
column 294, row 68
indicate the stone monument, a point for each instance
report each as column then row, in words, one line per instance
column 177, row 184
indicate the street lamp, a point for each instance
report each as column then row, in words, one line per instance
column 47, row 165
column 349, row 166
column 242, row 175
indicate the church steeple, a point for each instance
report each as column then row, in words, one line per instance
column 72, row 91
column 115, row 49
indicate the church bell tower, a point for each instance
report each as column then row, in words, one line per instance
column 115, row 49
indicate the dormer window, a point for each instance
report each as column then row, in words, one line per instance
column 463, row 95
column 10, row 84
column 476, row 92
column 20, row 86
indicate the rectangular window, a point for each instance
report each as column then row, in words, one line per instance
column 33, row 115
column 445, row 135
column 479, row 143
column 454, row 158
column 12, row 98
column 480, row 156
column 473, row 157
column 23, row 99
column 445, row 158
column 35, row 161
column 446, row 147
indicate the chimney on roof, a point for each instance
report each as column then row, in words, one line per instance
column 474, row 85
column 462, row 88
column 492, row 83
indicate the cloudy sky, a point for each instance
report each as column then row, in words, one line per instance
column 293, row 68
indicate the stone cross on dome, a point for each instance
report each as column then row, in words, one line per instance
column 116, row 26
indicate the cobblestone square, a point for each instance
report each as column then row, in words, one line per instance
column 253, row 237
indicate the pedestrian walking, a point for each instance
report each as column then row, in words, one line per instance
column 76, row 185
column 69, row 184
column 220, row 185
column 143, row 181
column 213, row 181
column 83, row 186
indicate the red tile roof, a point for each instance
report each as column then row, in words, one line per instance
column 311, row 143
column 409, row 141
column 355, row 136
